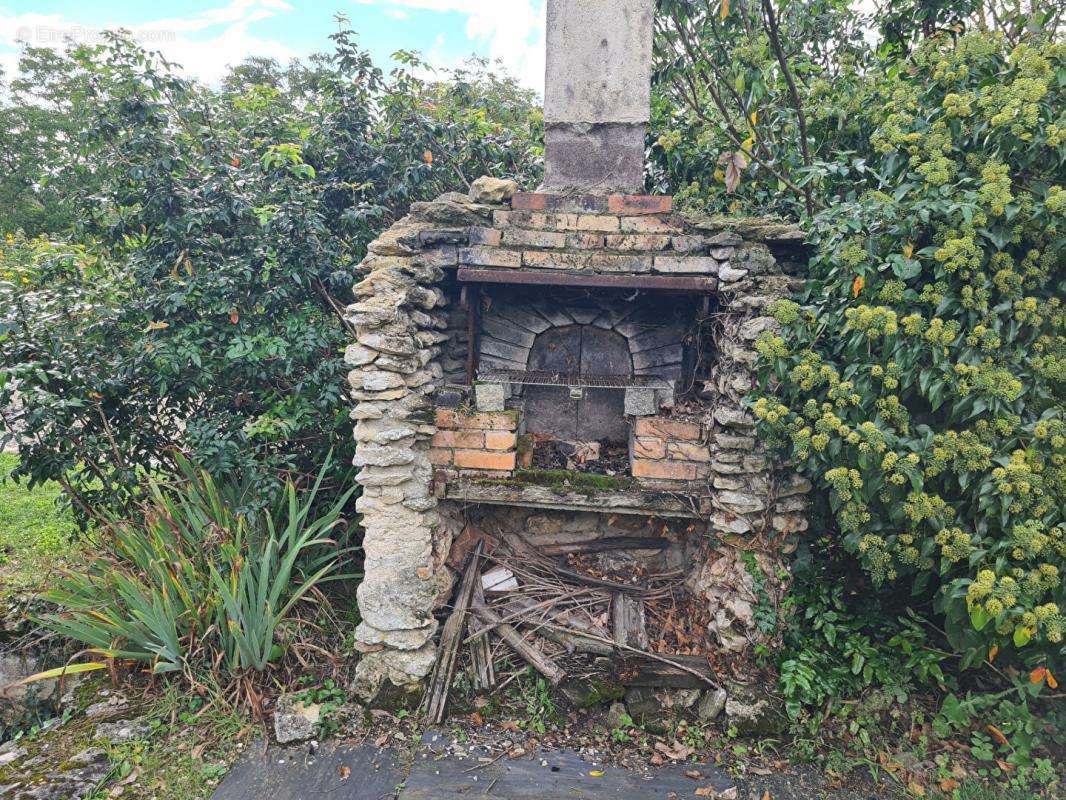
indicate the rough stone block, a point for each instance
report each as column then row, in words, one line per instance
column 640, row 402
column 664, row 470
column 686, row 265
column 591, row 261
column 668, row 428
column 482, row 459
column 490, row 257
column 491, row 190
column 489, row 396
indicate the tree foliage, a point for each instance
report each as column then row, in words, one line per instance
column 197, row 305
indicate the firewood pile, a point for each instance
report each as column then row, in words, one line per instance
column 558, row 611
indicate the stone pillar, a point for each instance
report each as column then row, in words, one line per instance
column 597, row 94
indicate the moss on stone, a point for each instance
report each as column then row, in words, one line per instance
column 561, row 481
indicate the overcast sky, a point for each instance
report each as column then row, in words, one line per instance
column 205, row 36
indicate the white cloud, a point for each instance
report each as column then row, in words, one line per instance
column 204, row 43
column 511, row 31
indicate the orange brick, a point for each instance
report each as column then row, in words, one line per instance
column 441, row 457
column 446, row 419
column 669, row 428
column 647, row 447
column 662, row 470
column 472, row 440
column 490, row 421
column 481, row 459
column 500, row 440
column 689, row 451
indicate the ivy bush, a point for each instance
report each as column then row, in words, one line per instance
column 920, row 378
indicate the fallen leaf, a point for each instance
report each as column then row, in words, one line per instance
column 948, row 785
column 766, row 796
column 656, row 760
column 695, row 774
column 510, row 725
column 382, row 740
column 997, row 734
column 477, row 719
column 916, row 789
column 158, row 326
column 760, row 771
column 856, row 287
column 344, row 773
column 728, row 794
column 993, row 651
column 235, row 162
column 706, row 791
column 595, row 773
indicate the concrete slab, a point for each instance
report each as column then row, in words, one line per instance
column 294, row 773
column 545, row 776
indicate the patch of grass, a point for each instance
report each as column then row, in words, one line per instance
column 184, row 755
column 36, row 535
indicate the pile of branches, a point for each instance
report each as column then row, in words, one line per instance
column 550, row 609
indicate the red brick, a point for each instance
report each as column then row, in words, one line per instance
column 668, row 428
column 662, row 470
column 647, row 447
column 500, row 440
column 529, row 201
column 461, row 438
column 482, row 459
column 640, row 204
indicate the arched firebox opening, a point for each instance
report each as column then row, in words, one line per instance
column 586, row 414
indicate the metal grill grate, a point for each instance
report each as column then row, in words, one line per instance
column 572, row 380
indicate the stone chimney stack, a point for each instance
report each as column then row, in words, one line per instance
column 597, row 95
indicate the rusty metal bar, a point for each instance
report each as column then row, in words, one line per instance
column 677, row 283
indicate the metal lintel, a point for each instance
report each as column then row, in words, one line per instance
column 677, row 283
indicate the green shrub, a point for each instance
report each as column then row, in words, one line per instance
column 191, row 584
column 920, row 381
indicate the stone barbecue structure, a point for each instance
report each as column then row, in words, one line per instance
column 568, row 366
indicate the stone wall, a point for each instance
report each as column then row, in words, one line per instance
column 410, row 331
